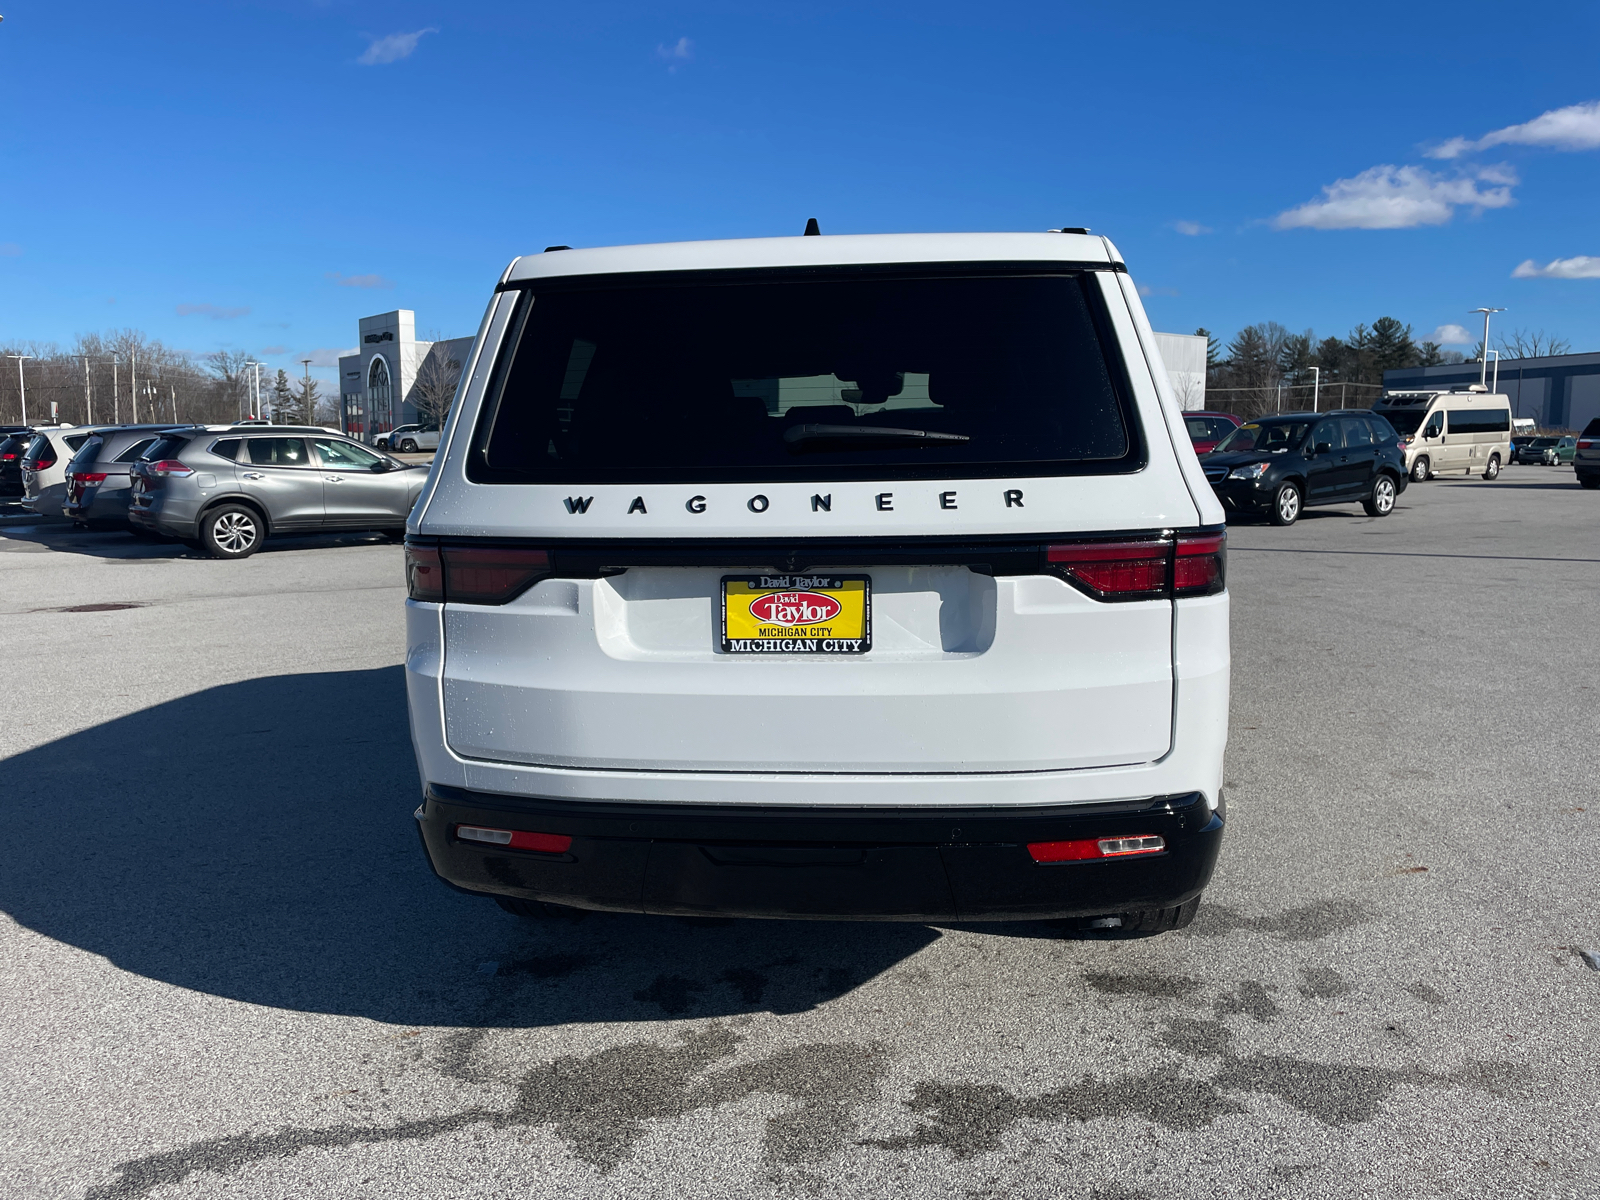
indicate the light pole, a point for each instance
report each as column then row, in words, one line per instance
column 116, row 394
column 22, row 384
column 305, row 389
column 1496, row 386
column 255, row 405
column 1316, row 387
column 1483, row 373
column 88, row 401
column 133, row 384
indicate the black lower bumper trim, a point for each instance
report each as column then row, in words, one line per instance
column 892, row 864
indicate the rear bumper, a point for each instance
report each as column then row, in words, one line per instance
column 886, row 864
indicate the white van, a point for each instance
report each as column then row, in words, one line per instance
column 823, row 577
column 1451, row 433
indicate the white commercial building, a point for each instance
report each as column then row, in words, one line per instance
column 1185, row 356
column 381, row 384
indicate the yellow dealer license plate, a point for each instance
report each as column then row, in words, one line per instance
column 796, row 614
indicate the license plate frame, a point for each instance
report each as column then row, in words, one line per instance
column 845, row 632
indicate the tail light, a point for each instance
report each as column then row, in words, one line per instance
column 1084, row 849
column 1115, row 570
column 517, row 839
column 1585, row 443
column 473, row 574
column 9, row 455
column 87, row 476
column 38, row 464
column 1191, row 565
column 1198, row 566
column 168, row 466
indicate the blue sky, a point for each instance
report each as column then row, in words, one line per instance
column 258, row 174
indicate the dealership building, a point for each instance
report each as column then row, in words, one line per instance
column 1561, row 391
column 378, row 384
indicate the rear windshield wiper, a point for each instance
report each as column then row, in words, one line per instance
column 799, row 435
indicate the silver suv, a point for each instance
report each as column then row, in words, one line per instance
column 228, row 490
column 100, row 475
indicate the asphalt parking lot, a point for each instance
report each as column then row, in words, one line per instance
column 227, row 970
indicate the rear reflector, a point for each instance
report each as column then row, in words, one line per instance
column 473, row 574
column 1088, row 848
column 516, row 839
column 1191, row 565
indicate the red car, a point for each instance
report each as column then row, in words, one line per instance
column 1206, row 429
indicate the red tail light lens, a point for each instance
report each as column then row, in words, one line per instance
column 88, row 477
column 1115, row 570
column 9, row 456
column 1198, row 568
column 424, row 574
column 168, row 466
column 38, row 464
column 517, row 839
column 1083, row 849
column 1585, row 443
column 473, row 574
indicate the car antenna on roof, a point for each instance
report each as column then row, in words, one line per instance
column 812, row 228
column 1073, row 229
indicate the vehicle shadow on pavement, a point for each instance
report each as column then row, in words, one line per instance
column 62, row 536
column 255, row 841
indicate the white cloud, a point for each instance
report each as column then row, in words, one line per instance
column 212, row 311
column 273, row 351
column 1576, row 127
column 1388, row 197
column 681, row 51
column 9, row 250
column 360, row 281
column 326, row 357
column 1191, row 228
column 1580, row 267
column 1451, row 335
column 392, row 48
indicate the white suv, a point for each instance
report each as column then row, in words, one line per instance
column 821, row 577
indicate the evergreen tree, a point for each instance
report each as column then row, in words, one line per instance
column 1391, row 346
column 1432, row 356
column 1213, row 348
column 282, row 397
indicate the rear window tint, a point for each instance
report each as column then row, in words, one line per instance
column 1382, row 430
column 227, row 448
column 805, row 378
column 165, row 447
column 89, row 451
column 1592, row 429
column 135, row 451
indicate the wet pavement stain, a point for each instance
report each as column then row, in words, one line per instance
column 750, row 984
column 1306, row 923
column 1323, row 983
column 1156, row 987
column 599, row 1105
column 672, row 992
column 1250, row 999
column 550, row 966
column 1423, row 992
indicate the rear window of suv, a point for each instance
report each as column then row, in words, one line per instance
column 776, row 377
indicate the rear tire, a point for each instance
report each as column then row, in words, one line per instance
column 408, row 446
column 1286, row 505
column 231, row 531
column 1419, row 470
column 1491, row 469
column 1381, row 502
column 1590, row 481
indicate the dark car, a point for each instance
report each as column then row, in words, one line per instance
column 1206, row 429
column 1280, row 465
column 1586, row 455
column 1546, row 451
column 13, row 445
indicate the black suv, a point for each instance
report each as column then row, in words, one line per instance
column 14, row 441
column 1281, row 464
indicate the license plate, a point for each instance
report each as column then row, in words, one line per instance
column 796, row 614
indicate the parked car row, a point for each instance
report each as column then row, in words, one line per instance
column 1545, row 451
column 221, row 488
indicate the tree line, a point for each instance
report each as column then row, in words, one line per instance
column 125, row 376
column 1266, row 368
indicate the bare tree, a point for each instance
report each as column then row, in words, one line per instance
column 1522, row 343
column 438, row 376
column 229, row 368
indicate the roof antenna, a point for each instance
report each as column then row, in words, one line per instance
column 812, row 228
